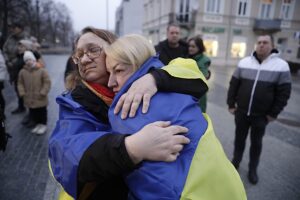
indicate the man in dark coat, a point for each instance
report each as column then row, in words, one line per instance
column 172, row 47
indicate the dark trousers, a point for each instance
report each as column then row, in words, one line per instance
column 20, row 99
column 257, row 126
column 38, row 115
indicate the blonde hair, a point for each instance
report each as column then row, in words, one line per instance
column 131, row 49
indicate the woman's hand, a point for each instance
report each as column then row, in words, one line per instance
column 158, row 141
column 141, row 90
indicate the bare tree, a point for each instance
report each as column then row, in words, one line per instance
column 47, row 20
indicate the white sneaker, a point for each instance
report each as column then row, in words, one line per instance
column 36, row 128
column 41, row 130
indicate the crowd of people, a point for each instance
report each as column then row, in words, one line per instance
column 118, row 136
column 23, row 66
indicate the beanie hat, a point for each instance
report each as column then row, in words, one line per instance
column 28, row 55
column 26, row 43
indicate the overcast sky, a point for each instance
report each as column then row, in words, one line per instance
column 92, row 12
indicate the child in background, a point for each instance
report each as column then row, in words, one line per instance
column 34, row 85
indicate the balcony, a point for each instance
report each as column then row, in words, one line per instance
column 186, row 20
column 267, row 25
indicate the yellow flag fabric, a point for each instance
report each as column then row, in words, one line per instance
column 64, row 196
column 184, row 68
column 211, row 175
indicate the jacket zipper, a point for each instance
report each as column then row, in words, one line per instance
column 253, row 90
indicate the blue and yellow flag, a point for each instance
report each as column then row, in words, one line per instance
column 202, row 171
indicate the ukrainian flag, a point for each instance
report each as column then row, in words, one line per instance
column 202, row 171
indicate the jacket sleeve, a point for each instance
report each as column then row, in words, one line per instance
column 233, row 89
column 3, row 69
column 282, row 94
column 46, row 83
column 181, row 76
column 75, row 146
column 106, row 159
column 21, row 87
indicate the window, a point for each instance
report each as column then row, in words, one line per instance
column 266, row 9
column 287, row 10
column 243, row 7
column 183, row 10
column 213, row 6
column 238, row 47
column 282, row 44
column 211, row 45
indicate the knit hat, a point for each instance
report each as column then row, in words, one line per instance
column 28, row 55
column 26, row 43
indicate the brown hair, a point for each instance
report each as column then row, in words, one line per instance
column 74, row 77
column 199, row 43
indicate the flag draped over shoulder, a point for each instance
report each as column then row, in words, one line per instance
column 74, row 132
column 174, row 180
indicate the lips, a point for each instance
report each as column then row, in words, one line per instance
column 87, row 69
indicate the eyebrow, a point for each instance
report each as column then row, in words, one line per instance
column 116, row 65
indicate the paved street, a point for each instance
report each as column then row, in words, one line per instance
column 24, row 168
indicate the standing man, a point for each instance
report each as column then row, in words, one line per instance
column 259, row 90
column 172, row 47
column 10, row 53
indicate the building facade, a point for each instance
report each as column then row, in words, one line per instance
column 229, row 28
column 129, row 17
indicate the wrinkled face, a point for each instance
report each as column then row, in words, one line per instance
column 173, row 34
column 92, row 68
column 263, row 46
column 193, row 49
column 118, row 73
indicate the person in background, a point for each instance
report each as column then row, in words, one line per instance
column 3, row 77
column 202, row 169
column 10, row 53
column 172, row 47
column 259, row 90
column 34, row 85
column 196, row 52
column 35, row 45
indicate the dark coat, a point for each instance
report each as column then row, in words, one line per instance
column 166, row 53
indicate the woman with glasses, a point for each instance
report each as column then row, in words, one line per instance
column 86, row 158
column 202, row 170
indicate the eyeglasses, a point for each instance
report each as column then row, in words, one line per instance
column 92, row 53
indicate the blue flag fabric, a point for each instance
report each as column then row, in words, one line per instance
column 161, row 180
column 72, row 135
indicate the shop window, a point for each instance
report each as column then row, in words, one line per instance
column 211, row 47
column 238, row 49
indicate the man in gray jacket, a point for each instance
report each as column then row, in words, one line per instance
column 259, row 90
column 10, row 53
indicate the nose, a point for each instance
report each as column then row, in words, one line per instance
column 112, row 81
column 85, row 59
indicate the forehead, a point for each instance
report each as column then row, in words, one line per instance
column 173, row 29
column 264, row 38
column 110, row 63
column 90, row 38
column 192, row 42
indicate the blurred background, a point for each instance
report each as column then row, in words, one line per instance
column 228, row 27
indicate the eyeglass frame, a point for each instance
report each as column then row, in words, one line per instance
column 88, row 53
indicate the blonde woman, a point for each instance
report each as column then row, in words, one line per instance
column 201, row 170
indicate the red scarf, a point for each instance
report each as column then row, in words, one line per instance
column 101, row 91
